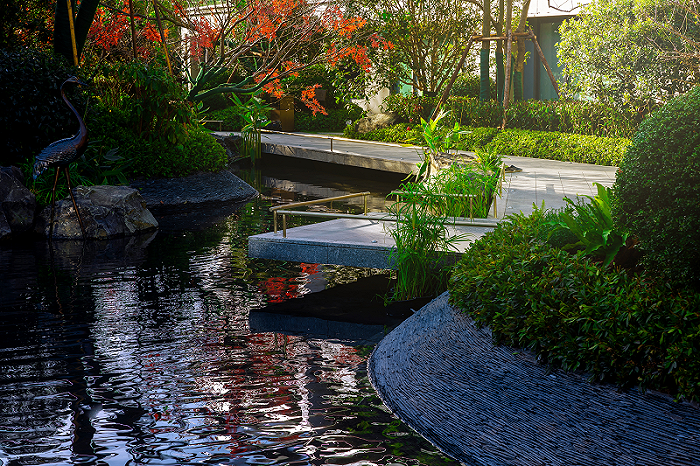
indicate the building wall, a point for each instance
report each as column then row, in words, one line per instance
column 536, row 82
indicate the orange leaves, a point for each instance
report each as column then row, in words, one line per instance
column 379, row 42
column 308, row 98
column 107, row 31
column 358, row 53
column 334, row 19
column 273, row 87
column 205, row 35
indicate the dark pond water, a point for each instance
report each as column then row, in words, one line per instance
column 141, row 351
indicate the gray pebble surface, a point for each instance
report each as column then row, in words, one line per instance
column 496, row 406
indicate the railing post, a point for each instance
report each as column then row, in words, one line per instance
column 365, row 199
column 331, row 144
column 284, row 225
column 471, row 208
column 275, row 220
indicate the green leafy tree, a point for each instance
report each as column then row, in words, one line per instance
column 428, row 37
column 614, row 52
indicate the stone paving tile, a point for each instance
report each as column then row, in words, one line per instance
column 493, row 405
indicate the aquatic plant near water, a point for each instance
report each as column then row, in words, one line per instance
column 421, row 256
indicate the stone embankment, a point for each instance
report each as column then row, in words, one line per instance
column 494, row 406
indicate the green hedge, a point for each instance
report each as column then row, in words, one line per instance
column 522, row 143
column 334, row 121
column 620, row 328
column 577, row 117
column 560, row 146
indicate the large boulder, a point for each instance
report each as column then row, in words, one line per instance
column 378, row 121
column 106, row 211
column 17, row 204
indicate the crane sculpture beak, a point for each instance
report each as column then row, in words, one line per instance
column 76, row 80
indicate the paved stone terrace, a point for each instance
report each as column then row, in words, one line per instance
column 495, row 406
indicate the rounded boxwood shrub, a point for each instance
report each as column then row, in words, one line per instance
column 658, row 188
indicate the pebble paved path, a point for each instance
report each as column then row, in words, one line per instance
column 495, row 406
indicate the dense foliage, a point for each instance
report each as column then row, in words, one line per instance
column 588, row 118
column 143, row 112
column 138, row 119
column 336, row 120
column 615, row 53
column 522, row 143
column 658, row 187
column 427, row 38
column 577, row 315
column 560, row 146
column 34, row 113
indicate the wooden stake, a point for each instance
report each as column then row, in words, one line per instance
column 509, row 54
column 544, row 61
column 448, row 88
column 72, row 32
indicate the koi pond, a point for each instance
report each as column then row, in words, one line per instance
column 141, row 350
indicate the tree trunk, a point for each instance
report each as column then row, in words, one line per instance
column 484, row 88
column 500, row 72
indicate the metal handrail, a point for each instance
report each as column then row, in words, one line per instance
column 277, row 209
column 280, row 209
column 460, row 221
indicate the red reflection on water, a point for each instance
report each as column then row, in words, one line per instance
column 280, row 289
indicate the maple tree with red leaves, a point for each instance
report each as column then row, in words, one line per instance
column 251, row 46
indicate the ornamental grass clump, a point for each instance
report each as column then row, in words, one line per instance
column 422, row 244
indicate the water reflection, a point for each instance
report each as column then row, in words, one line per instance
column 141, row 351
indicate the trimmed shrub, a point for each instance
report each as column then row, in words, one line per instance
column 334, row 121
column 521, row 143
column 399, row 134
column 574, row 314
column 469, row 85
column 560, row 146
column 34, row 114
column 658, row 188
column 231, row 117
column 587, row 118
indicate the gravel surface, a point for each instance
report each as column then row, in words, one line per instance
column 491, row 405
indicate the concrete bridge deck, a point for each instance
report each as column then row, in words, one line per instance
column 364, row 243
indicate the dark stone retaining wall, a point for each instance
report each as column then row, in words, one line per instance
column 496, row 406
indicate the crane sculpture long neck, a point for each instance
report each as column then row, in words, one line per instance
column 82, row 135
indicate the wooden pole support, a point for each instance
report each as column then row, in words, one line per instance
column 533, row 37
column 72, row 32
column 448, row 88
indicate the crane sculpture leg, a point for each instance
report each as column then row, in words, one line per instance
column 53, row 203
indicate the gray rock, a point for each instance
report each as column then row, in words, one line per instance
column 107, row 212
column 176, row 195
column 378, row 121
column 17, row 203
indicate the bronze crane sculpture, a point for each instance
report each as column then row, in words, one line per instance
column 60, row 154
